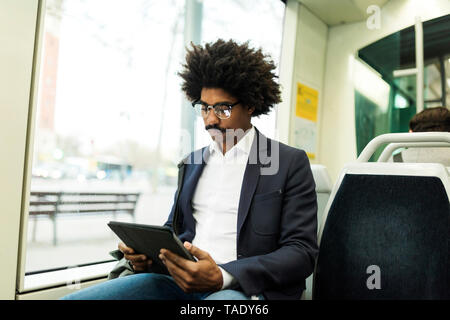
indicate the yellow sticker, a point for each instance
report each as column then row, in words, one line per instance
column 311, row 155
column 307, row 99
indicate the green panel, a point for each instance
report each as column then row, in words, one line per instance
column 365, row 111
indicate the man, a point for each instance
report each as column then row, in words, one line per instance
column 431, row 119
column 435, row 119
column 246, row 208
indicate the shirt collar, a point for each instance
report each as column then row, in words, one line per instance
column 244, row 144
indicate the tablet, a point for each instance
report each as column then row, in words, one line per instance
column 149, row 240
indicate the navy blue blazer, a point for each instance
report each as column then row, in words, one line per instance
column 276, row 220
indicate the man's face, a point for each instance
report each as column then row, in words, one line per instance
column 240, row 115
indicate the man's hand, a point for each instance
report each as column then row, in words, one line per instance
column 201, row 276
column 140, row 262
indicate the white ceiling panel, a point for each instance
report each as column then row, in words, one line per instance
column 335, row 12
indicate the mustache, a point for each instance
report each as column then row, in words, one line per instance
column 215, row 126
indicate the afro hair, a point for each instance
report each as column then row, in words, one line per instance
column 243, row 72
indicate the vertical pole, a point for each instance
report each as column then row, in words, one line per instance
column 33, row 238
column 192, row 32
column 287, row 64
column 443, row 80
column 419, row 64
column 53, row 217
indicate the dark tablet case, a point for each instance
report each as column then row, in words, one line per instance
column 149, row 240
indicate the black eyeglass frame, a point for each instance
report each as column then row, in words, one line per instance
column 209, row 107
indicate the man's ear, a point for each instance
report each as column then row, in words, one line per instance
column 251, row 110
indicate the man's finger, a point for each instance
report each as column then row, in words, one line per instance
column 125, row 249
column 135, row 257
column 196, row 252
column 174, row 269
column 176, row 259
column 141, row 263
column 141, row 266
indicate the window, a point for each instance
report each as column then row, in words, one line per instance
column 397, row 52
column 110, row 115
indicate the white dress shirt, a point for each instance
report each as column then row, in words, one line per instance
column 216, row 200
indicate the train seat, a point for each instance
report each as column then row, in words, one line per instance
column 385, row 233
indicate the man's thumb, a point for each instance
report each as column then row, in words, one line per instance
column 196, row 252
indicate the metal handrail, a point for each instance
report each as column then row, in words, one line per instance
column 401, row 139
column 387, row 152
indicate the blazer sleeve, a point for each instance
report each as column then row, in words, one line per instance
column 169, row 220
column 294, row 259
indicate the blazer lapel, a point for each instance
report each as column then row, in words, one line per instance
column 196, row 165
column 251, row 177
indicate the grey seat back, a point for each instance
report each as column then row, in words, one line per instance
column 385, row 234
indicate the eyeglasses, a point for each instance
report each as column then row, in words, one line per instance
column 221, row 109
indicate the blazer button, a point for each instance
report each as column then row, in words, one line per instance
column 239, row 256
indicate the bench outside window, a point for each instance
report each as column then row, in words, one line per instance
column 54, row 204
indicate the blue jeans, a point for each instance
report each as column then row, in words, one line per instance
column 149, row 286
